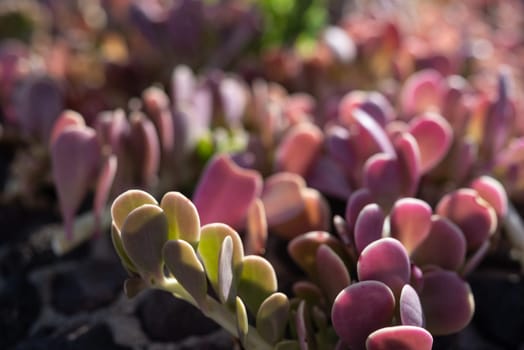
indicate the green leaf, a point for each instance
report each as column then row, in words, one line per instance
column 287, row 345
column 144, row 233
column 242, row 320
column 272, row 317
column 225, row 269
column 182, row 261
column 182, row 217
column 257, row 282
column 211, row 238
column 117, row 243
column 126, row 202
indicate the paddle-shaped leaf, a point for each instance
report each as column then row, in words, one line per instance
column 242, row 320
column 383, row 178
column 492, row 192
column 333, row 276
column 282, row 197
column 445, row 245
column 144, row 233
column 211, row 238
column 421, row 92
column 75, row 158
column 182, row 261
column 447, row 302
column 400, row 338
column 410, row 308
column 272, row 317
column 360, row 309
column 473, row 215
column 225, row 191
column 299, row 148
column 301, row 326
column 369, row 226
column 126, row 202
column 182, row 217
column 256, row 231
column 119, row 247
column 410, row 222
column 356, row 202
column 103, row 189
column 66, row 119
column 434, row 135
column 408, row 154
column 257, row 282
column 385, row 260
column 146, row 148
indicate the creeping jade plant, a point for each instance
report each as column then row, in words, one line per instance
column 164, row 246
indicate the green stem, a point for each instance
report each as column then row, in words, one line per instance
column 221, row 314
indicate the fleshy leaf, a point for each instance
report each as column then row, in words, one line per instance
column 410, row 222
column 75, row 157
column 211, row 238
column 492, row 192
column 421, row 92
column 400, row 338
column 300, row 321
column 308, row 291
column 369, row 226
column 225, row 269
column 385, row 260
column 272, row 317
column 410, row 307
column 282, row 197
column 473, row 215
column 156, row 103
column 287, row 345
column 103, row 188
column 356, row 202
column 360, row 309
column 303, row 249
column 257, row 282
column 182, row 261
column 182, row 217
column 133, row 286
column 445, row 245
column 447, row 302
column 408, row 154
column 256, row 231
column 329, row 178
column 144, row 233
column 372, row 130
column 299, row 148
column 434, row 135
column 146, row 148
column 338, row 277
column 383, row 178
column 126, row 202
column 119, row 247
column 242, row 320
column 213, row 196
column 66, row 119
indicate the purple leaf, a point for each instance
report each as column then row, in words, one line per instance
column 410, row 222
column 445, row 245
column 66, row 119
column 385, row 260
column 340, row 147
column 309, row 292
column 156, row 103
column 356, row 202
column 371, row 130
column 400, row 338
column 103, row 188
column 300, row 321
column 75, row 157
column 473, row 215
column 410, row 308
column 338, row 277
column 447, row 302
column 282, row 197
column 146, row 148
column 225, row 192
column 299, row 148
column 256, row 231
column 360, row 309
column 434, row 135
column 234, row 100
column 328, row 177
column 369, row 226
column 408, row 154
column 383, row 178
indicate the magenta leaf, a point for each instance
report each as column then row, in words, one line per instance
column 299, row 148
column 361, row 309
column 447, row 302
column 473, row 215
column 408, row 154
column 75, row 157
column 328, row 177
column 338, row 277
column 410, row 308
column 385, row 260
column 383, row 178
column 434, row 135
column 410, row 222
column 492, row 192
column 103, row 188
column 340, row 147
column 225, row 191
column 372, row 132
column 146, row 148
column 400, row 338
column 422, row 91
column 369, row 226
column 156, row 103
column 66, row 119
column 356, row 202
column 445, row 245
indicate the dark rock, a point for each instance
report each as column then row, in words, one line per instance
column 81, row 337
column 499, row 308
column 166, row 318
column 92, row 285
column 19, row 307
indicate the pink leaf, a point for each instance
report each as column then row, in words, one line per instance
column 369, row 226
column 400, row 338
column 410, row 222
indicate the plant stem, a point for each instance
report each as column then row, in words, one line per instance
column 515, row 231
